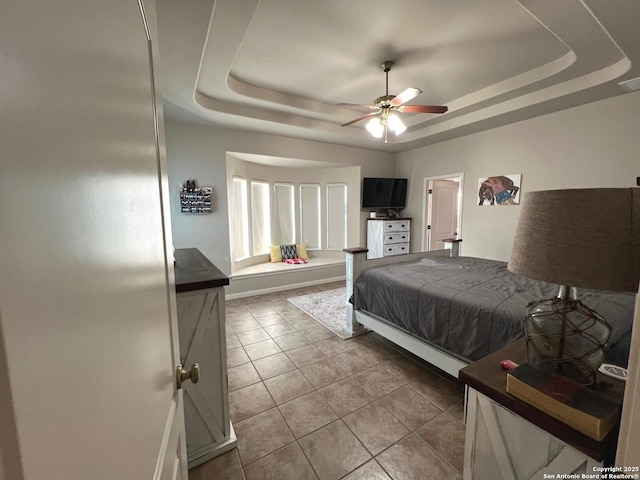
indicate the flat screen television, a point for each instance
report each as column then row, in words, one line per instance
column 384, row 192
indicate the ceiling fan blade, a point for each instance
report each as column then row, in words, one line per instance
column 358, row 105
column 405, row 96
column 422, row 108
column 358, row 119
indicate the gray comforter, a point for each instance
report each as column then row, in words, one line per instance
column 472, row 306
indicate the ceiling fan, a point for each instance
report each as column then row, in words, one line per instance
column 384, row 116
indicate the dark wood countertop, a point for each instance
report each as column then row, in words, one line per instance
column 487, row 377
column 355, row 250
column 195, row 272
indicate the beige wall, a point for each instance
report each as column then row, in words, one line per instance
column 594, row 145
column 198, row 151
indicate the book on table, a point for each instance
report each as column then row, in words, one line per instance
column 582, row 408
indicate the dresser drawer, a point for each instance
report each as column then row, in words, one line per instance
column 396, row 237
column 396, row 226
column 398, row 249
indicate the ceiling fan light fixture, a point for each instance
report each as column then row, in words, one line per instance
column 395, row 124
column 385, row 118
column 375, row 127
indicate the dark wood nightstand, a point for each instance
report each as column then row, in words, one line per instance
column 508, row 438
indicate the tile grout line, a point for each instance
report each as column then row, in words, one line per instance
column 349, row 376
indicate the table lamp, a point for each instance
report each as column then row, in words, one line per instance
column 578, row 238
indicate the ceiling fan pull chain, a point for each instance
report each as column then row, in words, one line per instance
column 387, row 89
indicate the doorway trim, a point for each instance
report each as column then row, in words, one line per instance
column 458, row 177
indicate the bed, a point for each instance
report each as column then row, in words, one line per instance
column 452, row 310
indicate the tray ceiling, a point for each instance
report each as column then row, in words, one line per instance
column 282, row 66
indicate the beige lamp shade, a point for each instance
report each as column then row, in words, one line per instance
column 586, row 238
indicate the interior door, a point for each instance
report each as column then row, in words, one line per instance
column 172, row 455
column 443, row 208
column 88, row 344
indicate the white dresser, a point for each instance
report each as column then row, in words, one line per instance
column 386, row 237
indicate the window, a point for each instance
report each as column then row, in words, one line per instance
column 310, row 225
column 336, row 216
column 268, row 209
column 241, row 220
column 283, row 226
column 260, row 217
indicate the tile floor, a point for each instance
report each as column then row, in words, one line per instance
column 307, row 405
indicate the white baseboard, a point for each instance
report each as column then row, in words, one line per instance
column 280, row 288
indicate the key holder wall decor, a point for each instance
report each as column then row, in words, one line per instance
column 194, row 199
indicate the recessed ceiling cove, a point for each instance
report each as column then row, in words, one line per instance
column 283, row 66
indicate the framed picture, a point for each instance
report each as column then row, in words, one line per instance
column 499, row 190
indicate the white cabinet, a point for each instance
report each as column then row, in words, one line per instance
column 504, row 446
column 201, row 328
column 509, row 439
column 388, row 237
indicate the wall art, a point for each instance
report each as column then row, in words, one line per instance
column 499, row 190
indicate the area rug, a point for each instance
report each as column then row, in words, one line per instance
column 327, row 308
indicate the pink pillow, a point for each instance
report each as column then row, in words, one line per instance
column 293, row 261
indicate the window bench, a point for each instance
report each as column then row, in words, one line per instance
column 324, row 266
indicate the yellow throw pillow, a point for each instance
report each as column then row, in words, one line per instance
column 302, row 251
column 274, row 252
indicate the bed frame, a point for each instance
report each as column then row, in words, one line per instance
column 358, row 322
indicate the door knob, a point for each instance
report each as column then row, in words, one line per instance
column 181, row 374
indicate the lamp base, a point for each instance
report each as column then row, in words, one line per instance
column 566, row 337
